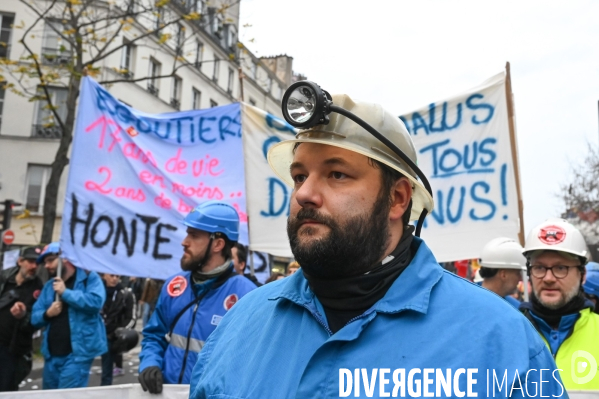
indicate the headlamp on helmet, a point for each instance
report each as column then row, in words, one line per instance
column 305, row 105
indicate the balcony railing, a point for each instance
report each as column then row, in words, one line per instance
column 152, row 89
column 176, row 104
column 126, row 73
column 46, row 132
column 54, row 56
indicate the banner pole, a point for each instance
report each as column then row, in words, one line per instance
column 514, row 146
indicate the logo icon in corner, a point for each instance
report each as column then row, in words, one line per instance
column 552, row 235
column 177, row 286
column 582, row 362
column 230, row 301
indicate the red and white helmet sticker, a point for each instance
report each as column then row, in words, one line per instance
column 177, row 286
column 552, row 235
column 230, row 301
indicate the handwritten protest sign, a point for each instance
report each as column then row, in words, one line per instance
column 134, row 176
column 463, row 147
column 268, row 197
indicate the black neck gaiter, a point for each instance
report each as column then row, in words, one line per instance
column 554, row 316
column 346, row 298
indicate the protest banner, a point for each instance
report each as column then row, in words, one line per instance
column 268, row 196
column 466, row 147
column 134, row 176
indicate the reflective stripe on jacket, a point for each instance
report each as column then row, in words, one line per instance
column 276, row 342
column 197, row 323
column 578, row 355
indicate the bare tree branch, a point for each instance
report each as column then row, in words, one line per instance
column 43, row 16
column 38, row 66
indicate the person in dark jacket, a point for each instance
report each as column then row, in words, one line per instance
column 118, row 311
column 19, row 289
column 240, row 258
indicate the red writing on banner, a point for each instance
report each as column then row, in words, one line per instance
column 200, row 191
column 199, row 167
column 103, row 123
column 131, row 150
column 206, row 167
column 243, row 217
column 148, row 177
column 163, row 202
column 176, row 164
column 119, row 192
column 183, row 207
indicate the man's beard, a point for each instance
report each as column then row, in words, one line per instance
column 349, row 249
column 28, row 276
column 568, row 296
column 192, row 263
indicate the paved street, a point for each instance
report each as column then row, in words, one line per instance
column 130, row 364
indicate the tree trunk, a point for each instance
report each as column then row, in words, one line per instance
column 61, row 160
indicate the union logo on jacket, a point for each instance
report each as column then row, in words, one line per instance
column 185, row 315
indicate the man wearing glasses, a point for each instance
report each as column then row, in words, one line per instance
column 556, row 254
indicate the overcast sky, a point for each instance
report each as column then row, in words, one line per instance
column 407, row 54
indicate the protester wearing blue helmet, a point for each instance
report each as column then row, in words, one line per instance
column 591, row 285
column 49, row 258
column 192, row 303
column 69, row 309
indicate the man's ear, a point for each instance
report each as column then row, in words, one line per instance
column 401, row 194
column 218, row 244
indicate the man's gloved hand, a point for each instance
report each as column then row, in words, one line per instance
column 151, row 379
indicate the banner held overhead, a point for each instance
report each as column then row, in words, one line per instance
column 133, row 177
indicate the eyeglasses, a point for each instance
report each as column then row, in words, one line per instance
column 558, row 271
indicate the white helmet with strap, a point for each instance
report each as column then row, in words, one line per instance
column 556, row 235
column 503, row 253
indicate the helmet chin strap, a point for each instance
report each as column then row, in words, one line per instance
column 201, row 264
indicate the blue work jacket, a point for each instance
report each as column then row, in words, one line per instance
column 88, row 334
column 177, row 354
column 276, row 344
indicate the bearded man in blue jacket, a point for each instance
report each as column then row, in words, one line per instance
column 192, row 303
column 371, row 314
column 69, row 309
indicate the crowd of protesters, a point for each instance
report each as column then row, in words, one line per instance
column 105, row 308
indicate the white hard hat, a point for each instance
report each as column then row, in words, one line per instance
column 344, row 133
column 503, row 253
column 556, row 235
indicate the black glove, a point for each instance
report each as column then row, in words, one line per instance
column 151, row 379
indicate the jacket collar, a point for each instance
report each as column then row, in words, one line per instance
column 411, row 290
column 80, row 275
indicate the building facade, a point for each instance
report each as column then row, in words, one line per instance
column 195, row 63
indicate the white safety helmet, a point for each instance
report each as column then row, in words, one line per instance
column 556, row 235
column 503, row 253
column 344, row 133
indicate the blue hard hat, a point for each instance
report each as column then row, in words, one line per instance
column 52, row 248
column 214, row 217
column 591, row 285
column 592, row 266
